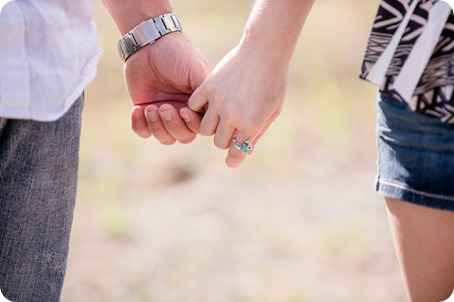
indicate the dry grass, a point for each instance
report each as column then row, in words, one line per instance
column 299, row 221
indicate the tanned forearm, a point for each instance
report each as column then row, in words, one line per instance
column 127, row 14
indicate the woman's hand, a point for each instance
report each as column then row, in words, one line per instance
column 241, row 98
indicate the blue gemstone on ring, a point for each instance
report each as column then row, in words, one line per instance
column 246, row 147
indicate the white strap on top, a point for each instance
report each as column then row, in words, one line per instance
column 410, row 74
column 378, row 71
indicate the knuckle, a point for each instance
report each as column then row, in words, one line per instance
column 221, row 145
column 167, row 141
column 143, row 134
column 206, row 131
column 140, row 131
column 187, row 139
column 251, row 125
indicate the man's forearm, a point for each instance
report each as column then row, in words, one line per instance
column 274, row 26
column 128, row 14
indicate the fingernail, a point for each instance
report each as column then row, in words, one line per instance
column 136, row 115
column 186, row 117
column 152, row 115
column 166, row 115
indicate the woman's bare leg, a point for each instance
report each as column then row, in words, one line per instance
column 424, row 241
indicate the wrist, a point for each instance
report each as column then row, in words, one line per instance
column 265, row 51
column 129, row 14
column 146, row 33
column 139, row 17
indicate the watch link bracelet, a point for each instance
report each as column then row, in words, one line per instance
column 147, row 32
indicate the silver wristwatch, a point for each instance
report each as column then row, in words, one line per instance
column 147, row 32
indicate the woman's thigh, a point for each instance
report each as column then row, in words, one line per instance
column 424, row 241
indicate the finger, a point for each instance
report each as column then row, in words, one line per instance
column 198, row 101
column 235, row 156
column 224, row 135
column 139, row 122
column 261, row 133
column 175, row 125
column 191, row 118
column 157, row 127
column 209, row 122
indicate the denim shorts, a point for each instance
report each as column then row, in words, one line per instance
column 415, row 156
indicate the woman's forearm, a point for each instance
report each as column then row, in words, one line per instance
column 274, row 26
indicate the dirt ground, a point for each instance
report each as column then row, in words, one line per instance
column 313, row 230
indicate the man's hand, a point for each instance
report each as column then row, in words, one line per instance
column 160, row 79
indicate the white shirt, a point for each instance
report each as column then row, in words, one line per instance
column 48, row 54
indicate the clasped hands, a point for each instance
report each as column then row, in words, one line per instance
column 176, row 97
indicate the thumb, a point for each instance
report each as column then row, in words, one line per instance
column 198, row 73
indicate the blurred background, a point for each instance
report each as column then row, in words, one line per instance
column 298, row 221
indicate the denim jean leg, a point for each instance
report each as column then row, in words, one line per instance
column 38, row 180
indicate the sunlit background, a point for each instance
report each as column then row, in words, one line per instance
column 299, row 221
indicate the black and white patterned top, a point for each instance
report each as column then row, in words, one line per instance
column 410, row 55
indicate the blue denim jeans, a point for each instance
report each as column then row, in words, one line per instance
column 38, row 180
column 416, row 156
